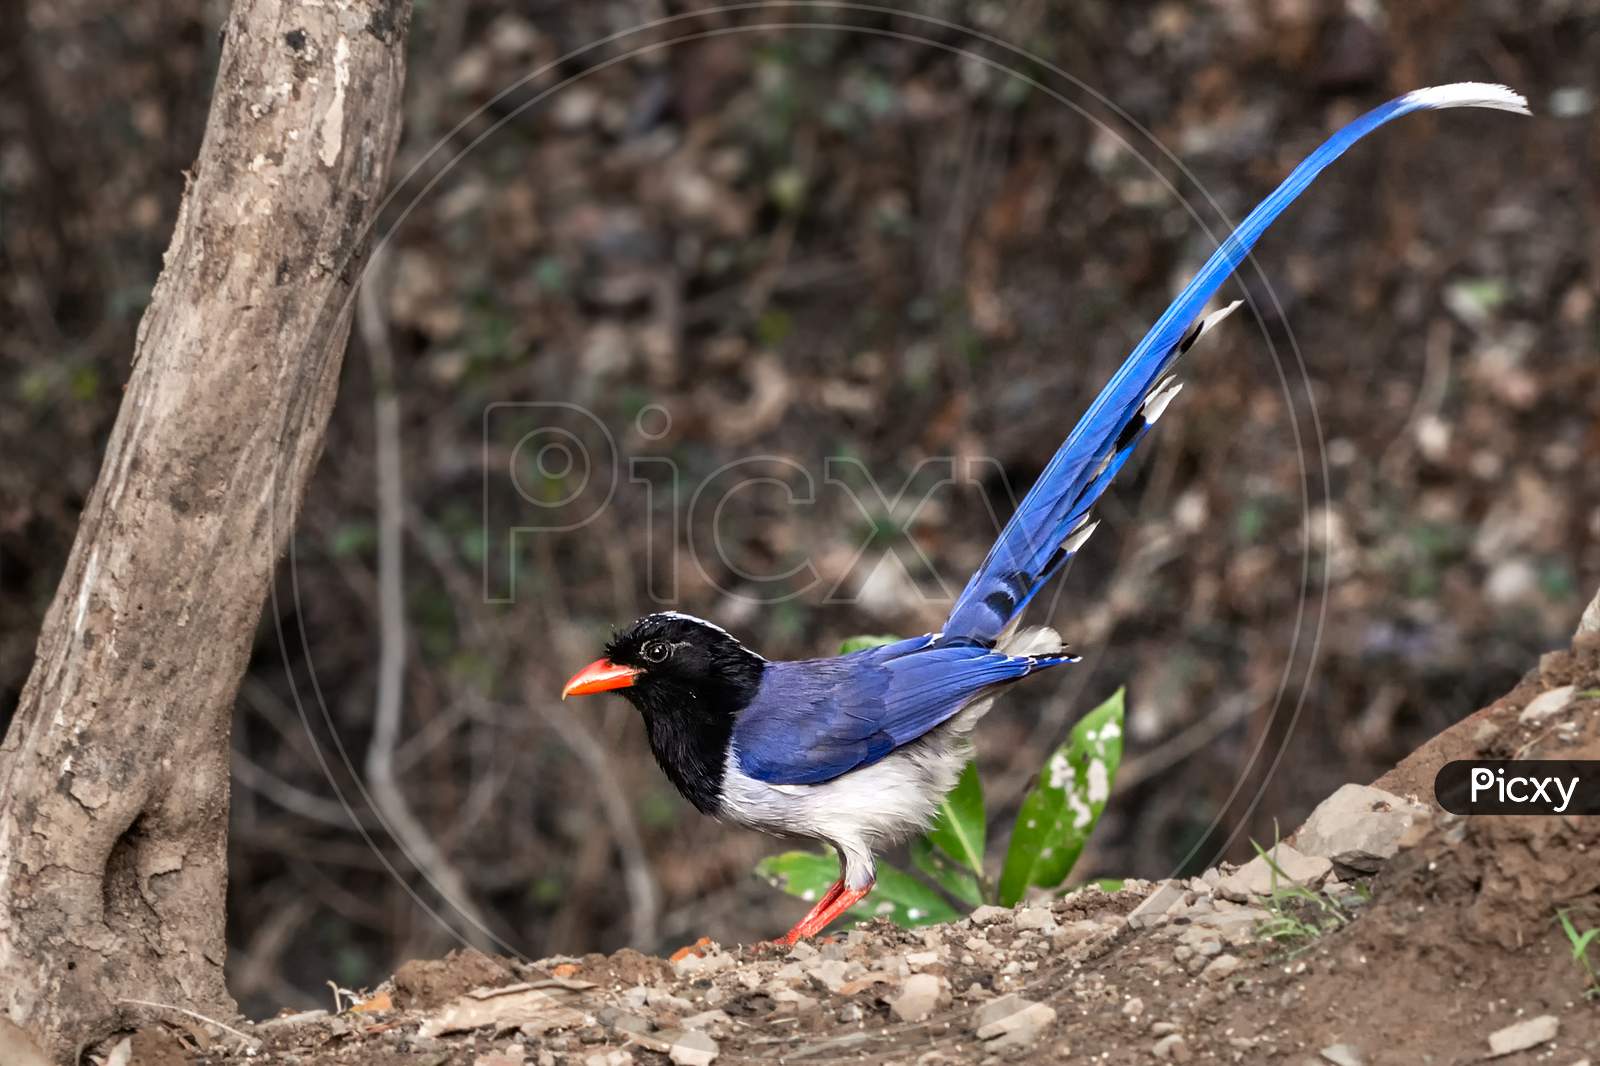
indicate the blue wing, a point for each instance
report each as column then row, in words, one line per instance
column 1052, row 520
column 816, row 719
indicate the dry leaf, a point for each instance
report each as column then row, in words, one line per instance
column 697, row 948
column 374, row 1004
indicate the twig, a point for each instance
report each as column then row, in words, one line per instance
column 290, row 797
column 196, row 1015
column 407, row 828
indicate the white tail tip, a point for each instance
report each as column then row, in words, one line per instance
column 1468, row 94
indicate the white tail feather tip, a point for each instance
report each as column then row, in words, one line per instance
column 1468, row 94
column 1157, row 403
column 1076, row 540
column 1210, row 321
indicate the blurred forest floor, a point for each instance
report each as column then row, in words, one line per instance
column 880, row 240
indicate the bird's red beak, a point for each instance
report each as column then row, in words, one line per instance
column 602, row 675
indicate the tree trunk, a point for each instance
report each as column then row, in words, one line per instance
column 114, row 774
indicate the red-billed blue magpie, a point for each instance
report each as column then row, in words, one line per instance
column 857, row 750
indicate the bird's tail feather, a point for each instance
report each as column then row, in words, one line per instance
column 1034, row 642
column 1052, row 521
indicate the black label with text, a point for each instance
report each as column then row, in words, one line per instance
column 1519, row 786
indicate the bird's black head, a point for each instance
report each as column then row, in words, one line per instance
column 690, row 679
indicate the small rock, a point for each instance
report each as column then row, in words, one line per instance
column 1220, row 968
column 793, row 1002
column 918, row 997
column 623, row 1022
column 1358, row 826
column 1523, row 1035
column 1343, row 1055
column 1546, row 704
column 1258, row 877
column 1074, row 933
column 1133, row 1008
column 693, row 1048
column 828, row 973
column 1011, row 1021
column 1156, row 905
column 614, row 1056
column 1163, row 1028
column 1036, row 918
column 919, row 959
column 988, row 914
column 713, row 1021
column 1172, row 1048
column 661, row 998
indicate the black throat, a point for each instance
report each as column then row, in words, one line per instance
column 690, row 724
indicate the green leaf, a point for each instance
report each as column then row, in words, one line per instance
column 898, row 896
column 943, row 871
column 1061, row 809
column 863, row 643
column 905, row 900
column 958, row 830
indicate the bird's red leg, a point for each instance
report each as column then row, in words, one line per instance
column 798, row 932
column 837, row 900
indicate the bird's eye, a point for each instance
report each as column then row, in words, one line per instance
column 656, row 652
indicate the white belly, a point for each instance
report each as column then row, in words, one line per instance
column 859, row 811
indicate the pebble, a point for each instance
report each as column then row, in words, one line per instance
column 1133, row 1008
column 1546, row 704
column 1036, row 918
column 988, row 914
column 1523, row 1035
column 918, row 997
column 794, row 1002
column 1343, row 1055
column 693, row 1048
column 710, row 1020
column 660, row 997
column 1172, row 1048
column 1011, row 1021
column 830, row 974
column 1221, row 968
column 609, row 1057
column 919, row 959
column 1074, row 933
column 1156, row 905
column 1258, row 877
column 1163, row 1028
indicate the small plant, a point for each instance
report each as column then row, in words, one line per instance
column 1580, row 951
column 1056, row 818
column 1296, row 915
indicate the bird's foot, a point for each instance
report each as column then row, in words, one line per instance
column 834, row 902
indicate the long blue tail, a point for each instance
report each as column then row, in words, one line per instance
column 1052, row 521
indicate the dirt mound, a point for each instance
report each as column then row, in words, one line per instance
column 1450, row 950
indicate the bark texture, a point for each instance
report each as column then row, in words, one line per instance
column 114, row 774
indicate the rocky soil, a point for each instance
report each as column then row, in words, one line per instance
column 1383, row 931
